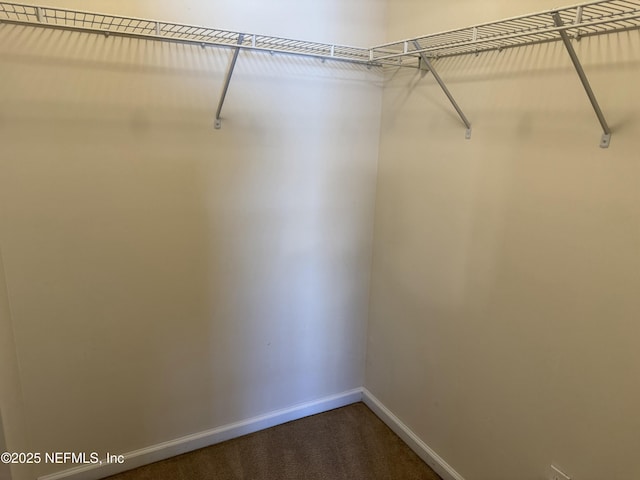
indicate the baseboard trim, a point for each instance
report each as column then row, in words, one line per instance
column 430, row 457
column 162, row 451
column 189, row 443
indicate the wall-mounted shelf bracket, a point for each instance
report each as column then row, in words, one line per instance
column 427, row 64
column 227, row 81
column 606, row 136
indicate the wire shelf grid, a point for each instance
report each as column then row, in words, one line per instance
column 159, row 30
column 592, row 18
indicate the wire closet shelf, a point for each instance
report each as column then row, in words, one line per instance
column 106, row 24
column 586, row 19
column 591, row 18
column 574, row 22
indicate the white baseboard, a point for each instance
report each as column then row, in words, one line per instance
column 189, row 443
column 430, row 457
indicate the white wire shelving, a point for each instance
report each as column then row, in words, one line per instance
column 586, row 19
column 106, row 24
column 561, row 24
column 592, row 18
column 565, row 24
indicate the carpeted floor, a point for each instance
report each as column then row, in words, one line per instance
column 348, row 443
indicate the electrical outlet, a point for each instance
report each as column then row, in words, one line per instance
column 556, row 474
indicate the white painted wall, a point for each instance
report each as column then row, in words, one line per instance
column 166, row 278
column 504, row 306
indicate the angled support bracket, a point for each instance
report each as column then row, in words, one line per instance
column 227, row 81
column 444, row 88
column 606, row 136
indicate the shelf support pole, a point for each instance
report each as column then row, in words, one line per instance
column 606, row 136
column 227, row 81
column 444, row 88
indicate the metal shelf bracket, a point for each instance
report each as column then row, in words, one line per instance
column 227, row 81
column 427, row 63
column 606, row 136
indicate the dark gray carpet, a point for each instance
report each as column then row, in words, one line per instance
column 348, row 443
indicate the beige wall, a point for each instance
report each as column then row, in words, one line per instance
column 504, row 306
column 13, row 433
column 167, row 278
